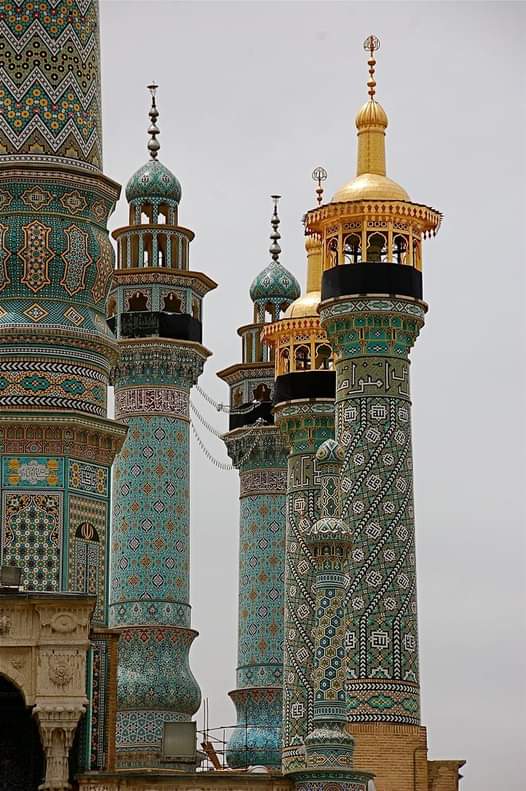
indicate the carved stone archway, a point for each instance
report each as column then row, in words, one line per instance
column 43, row 647
column 22, row 762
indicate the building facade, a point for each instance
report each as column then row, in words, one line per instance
column 95, row 626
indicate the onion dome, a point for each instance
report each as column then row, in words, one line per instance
column 153, row 180
column 275, row 283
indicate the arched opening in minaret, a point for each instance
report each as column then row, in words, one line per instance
column 302, row 358
column 22, row 764
column 138, row 301
column 270, row 311
column 146, row 213
column 376, row 247
column 400, row 247
column 262, row 392
column 352, row 249
column 332, row 252
column 323, row 361
column 284, row 360
column 162, row 255
column 196, row 308
column 172, row 303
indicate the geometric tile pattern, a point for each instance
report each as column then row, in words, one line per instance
column 259, row 742
column 30, row 124
column 305, row 427
column 32, row 537
column 164, row 681
column 87, row 549
column 150, row 541
column 258, row 697
column 373, row 339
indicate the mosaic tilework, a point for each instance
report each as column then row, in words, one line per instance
column 154, row 671
column 305, row 427
column 150, row 548
column 87, row 549
column 373, row 338
column 32, row 537
column 36, row 471
column 257, row 739
column 259, row 676
column 74, row 554
column 150, row 542
column 328, row 746
column 51, row 109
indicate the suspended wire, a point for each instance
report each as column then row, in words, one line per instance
column 205, row 423
column 221, row 464
column 223, row 407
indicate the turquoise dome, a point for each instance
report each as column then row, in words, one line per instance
column 275, row 283
column 153, row 180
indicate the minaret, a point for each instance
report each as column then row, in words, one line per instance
column 372, row 308
column 156, row 312
column 258, row 451
column 56, row 351
column 304, row 411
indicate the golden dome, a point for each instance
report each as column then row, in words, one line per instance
column 305, row 306
column 370, row 186
column 371, row 114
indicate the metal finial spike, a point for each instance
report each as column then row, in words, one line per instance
column 153, row 129
column 319, row 174
column 275, row 236
column 371, row 45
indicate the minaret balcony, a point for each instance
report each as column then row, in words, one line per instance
column 304, row 384
column 371, row 278
column 249, row 413
column 160, row 324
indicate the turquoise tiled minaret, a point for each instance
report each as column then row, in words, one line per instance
column 56, row 351
column 257, row 450
column 155, row 309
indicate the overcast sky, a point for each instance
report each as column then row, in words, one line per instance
column 252, row 97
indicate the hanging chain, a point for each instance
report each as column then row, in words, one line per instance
column 205, row 423
column 223, row 407
column 220, row 464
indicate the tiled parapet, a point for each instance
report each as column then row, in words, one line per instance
column 261, row 456
column 372, row 337
column 305, row 426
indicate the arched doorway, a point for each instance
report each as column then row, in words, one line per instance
column 22, row 765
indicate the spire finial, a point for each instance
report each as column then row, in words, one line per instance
column 319, row 174
column 372, row 45
column 153, row 129
column 275, row 236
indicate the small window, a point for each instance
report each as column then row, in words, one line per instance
column 172, row 303
column 323, row 360
column 302, row 358
column 285, row 361
column 138, row 301
column 332, row 253
column 352, row 249
column 376, row 247
column 400, row 249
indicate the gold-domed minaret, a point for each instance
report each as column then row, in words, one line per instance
column 372, row 309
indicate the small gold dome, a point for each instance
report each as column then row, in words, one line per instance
column 305, row 306
column 371, row 114
column 370, row 186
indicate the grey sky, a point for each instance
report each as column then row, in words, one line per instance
column 252, row 97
